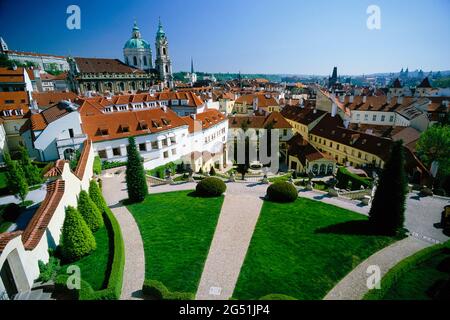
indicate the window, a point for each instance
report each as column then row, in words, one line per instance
column 359, row 155
column 374, row 118
column 284, row 132
column 166, row 154
column 135, row 61
column 172, row 140
column 331, row 144
column 358, row 117
column 145, row 61
column 383, row 118
column 391, row 118
column 366, row 117
column 155, row 145
column 142, row 147
column 102, row 154
column 164, row 143
column 116, row 152
column 71, row 133
column 174, row 152
column 337, row 146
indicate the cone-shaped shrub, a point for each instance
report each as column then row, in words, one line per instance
column 77, row 239
column 96, row 196
column 388, row 207
column 89, row 211
column 135, row 175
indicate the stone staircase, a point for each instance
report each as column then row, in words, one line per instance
column 38, row 292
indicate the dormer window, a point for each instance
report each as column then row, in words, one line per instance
column 165, row 121
column 174, row 102
column 155, row 124
column 143, row 125
column 124, row 128
column 102, row 131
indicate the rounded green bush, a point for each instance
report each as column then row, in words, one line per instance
column 282, row 192
column 275, row 296
column 210, row 187
column 154, row 289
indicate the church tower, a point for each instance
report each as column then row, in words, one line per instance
column 137, row 52
column 163, row 63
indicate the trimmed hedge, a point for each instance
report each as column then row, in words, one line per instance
column 156, row 290
column 114, row 285
column 345, row 177
column 392, row 276
column 282, row 192
column 275, row 296
column 210, row 187
column 112, row 164
column 97, row 167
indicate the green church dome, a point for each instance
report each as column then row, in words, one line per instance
column 136, row 42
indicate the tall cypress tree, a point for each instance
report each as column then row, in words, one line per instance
column 136, row 182
column 388, row 207
column 96, row 195
column 32, row 173
column 17, row 182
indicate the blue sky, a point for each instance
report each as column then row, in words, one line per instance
column 254, row 36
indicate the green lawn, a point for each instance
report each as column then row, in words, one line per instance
column 302, row 249
column 177, row 231
column 282, row 178
column 422, row 280
column 95, row 267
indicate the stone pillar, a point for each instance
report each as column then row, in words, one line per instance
column 109, row 153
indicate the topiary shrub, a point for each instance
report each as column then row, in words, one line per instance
column 89, row 211
column 96, row 196
column 275, row 296
column 77, row 239
column 282, row 192
column 212, row 172
column 156, row 290
column 210, row 187
column 97, row 166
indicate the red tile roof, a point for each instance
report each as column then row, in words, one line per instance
column 41, row 219
column 96, row 65
column 207, row 119
column 7, row 237
column 260, row 122
column 109, row 126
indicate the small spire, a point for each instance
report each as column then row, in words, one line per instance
column 192, row 65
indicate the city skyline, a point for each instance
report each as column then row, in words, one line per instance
column 295, row 37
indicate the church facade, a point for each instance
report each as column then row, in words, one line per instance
column 137, row 53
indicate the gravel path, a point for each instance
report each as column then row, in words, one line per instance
column 134, row 272
column 114, row 191
column 238, row 217
column 354, row 285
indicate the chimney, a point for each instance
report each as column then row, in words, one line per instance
column 364, row 99
column 164, row 108
column 333, row 110
column 351, row 98
column 193, row 116
column 255, row 103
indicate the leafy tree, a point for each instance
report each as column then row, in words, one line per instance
column 32, row 172
column 89, row 211
column 5, row 62
column 17, row 182
column 387, row 212
column 77, row 239
column 434, row 145
column 96, row 196
column 135, row 174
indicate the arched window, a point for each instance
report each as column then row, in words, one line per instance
column 126, row 60
column 135, row 61
column 145, row 60
column 167, row 68
column 164, row 51
column 122, row 86
column 133, row 85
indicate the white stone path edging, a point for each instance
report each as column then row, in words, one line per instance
column 354, row 285
column 229, row 247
